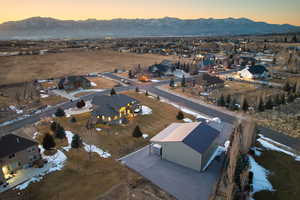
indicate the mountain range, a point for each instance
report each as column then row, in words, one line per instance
column 50, row 28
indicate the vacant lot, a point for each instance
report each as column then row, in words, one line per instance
column 285, row 176
column 16, row 69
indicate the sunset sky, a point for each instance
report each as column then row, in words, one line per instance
column 272, row 11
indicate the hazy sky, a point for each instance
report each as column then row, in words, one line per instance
column 272, row 11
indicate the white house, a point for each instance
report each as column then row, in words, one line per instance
column 187, row 144
column 254, row 72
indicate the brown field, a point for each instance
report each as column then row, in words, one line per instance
column 17, row 69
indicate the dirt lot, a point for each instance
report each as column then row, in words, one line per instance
column 102, row 179
column 16, row 69
column 102, row 83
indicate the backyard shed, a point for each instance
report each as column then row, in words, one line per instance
column 187, row 144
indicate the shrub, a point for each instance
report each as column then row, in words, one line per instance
column 53, row 126
column 60, row 112
column 113, row 92
column 180, row 115
column 137, row 132
column 80, row 104
column 73, row 120
column 48, row 142
column 147, row 94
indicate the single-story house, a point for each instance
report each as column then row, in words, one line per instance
column 16, row 153
column 165, row 68
column 187, row 144
column 74, row 82
column 114, row 109
column 254, row 72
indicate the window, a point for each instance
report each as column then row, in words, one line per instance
column 11, row 156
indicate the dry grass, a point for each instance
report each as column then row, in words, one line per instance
column 118, row 139
column 102, row 83
column 16, row 69
column 52, row 100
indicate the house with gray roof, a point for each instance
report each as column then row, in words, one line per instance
column 114, row 109
column 74, row 82
column 187, row 144
column 16, row 153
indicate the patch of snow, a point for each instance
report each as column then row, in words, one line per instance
column 145, row 136
column 54, row 163
column 155, row 81
column 42, row 81
column 257, row 151
column 44, row 95
column 226, row 145
column 94, row 149
column 13, row 108
column 75, row 111
column 216, row 119
column 217, row 152
column 270, row 146
column 187, row 120
column 146, row 110
column 260, row 174
column 98, row 129
column 93, row 84
column 69, row 136
column 185, row 110
column 204, row 94
column 35, row 135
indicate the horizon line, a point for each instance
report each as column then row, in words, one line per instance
column 110, row 19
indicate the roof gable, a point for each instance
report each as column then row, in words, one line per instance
column 10, row 144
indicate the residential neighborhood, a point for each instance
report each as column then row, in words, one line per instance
column 157, row 117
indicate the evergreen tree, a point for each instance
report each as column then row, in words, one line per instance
column 294, row 39
column 137, row 90
column 48, row 142
column 76, row 141
column 260, row 106
column 269, row 104
column 146, row 93
column 180, row 115
column 283, row 98
column 221, row 101
column 233, row 105
column 73, row 120
column 130, row 75
column 293, row 88
column 53, row 126
column 183, row 81
column 245, row 105
column 277, row 100
column 290, row 98
column 228, row 100
column 137, row 132
column 158, row 98
column 60, row 132
column 113, row 92
column 287, row 87
column 60, row 112
column 172, row 82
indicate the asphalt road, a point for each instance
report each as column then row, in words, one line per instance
column 152, row 88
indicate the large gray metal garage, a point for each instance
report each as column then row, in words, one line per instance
column 187, row 144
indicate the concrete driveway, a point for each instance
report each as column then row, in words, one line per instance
column 181, row 182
